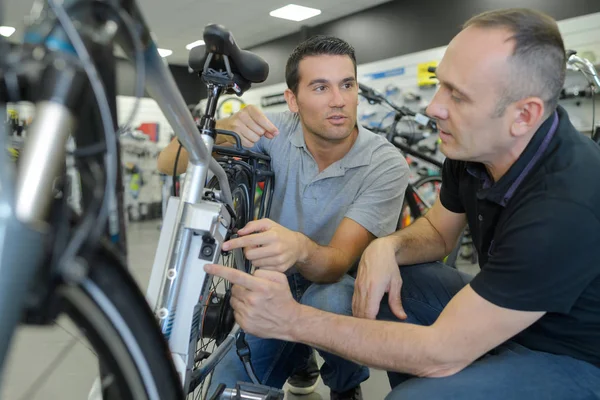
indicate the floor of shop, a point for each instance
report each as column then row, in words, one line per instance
column 33, row 373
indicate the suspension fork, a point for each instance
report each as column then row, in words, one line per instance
column 59, row 84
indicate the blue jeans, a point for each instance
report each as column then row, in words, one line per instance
column 274, row 361
column 509, row 372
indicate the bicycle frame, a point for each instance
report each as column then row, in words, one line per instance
column 409, row 150
column 192, row 226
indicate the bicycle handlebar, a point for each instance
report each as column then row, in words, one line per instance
column 374, row 97
column 587, row 68
column 377, row 98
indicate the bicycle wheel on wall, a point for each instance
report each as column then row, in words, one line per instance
column 419, row 198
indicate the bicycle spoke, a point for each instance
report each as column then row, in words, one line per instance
column 210, row 341
column 74, row 336
column 50, row 369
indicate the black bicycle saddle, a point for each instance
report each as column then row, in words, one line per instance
column 220, row 42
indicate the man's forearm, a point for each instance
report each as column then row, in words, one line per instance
column 391, row 346
column 167, row 157
column 321, row 264
column 420, row 242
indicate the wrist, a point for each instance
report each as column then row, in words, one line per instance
column 394, row 242
column 299, row 323
column 303, row 244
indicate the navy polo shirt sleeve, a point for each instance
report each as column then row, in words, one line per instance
column 538, row 262
column 449, row 193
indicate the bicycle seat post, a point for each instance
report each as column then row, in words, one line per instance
column 207, row 122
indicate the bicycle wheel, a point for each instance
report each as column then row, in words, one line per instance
column 218, row 315
column 424, row 193
column 115, row 323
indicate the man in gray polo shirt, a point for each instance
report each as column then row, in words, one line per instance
column 338, row 186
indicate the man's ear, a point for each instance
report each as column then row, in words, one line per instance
column 528, row 116
column 290, row 97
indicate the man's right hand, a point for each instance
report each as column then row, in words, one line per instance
column 250, row 124
column 378, row 273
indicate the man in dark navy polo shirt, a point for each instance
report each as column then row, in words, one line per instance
column 528, row 184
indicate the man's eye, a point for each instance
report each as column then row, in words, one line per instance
column 320, row 88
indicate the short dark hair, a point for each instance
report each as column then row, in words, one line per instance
column 315, row 46
column 538, row 62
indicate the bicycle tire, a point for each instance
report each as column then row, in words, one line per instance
column 110, row 310
column 241, row 190
column 406, row 209
column 239, row 182
column 466, row 250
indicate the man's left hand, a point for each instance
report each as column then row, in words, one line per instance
column 268, row 245
column 263, row 304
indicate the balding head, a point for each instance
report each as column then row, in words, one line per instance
column 536, row 57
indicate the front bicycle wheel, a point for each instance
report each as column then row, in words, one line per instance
column 218, row 318
column 110, row 317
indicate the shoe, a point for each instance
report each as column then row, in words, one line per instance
column 351, row 394
column 305, row 381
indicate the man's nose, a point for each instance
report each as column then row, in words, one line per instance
column 436, row 108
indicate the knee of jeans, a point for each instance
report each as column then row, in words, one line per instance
column 334, row 297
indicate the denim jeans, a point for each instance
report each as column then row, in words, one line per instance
column 274, row 361
column 509, row 372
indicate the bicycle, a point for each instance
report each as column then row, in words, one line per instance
column 66, row 263
column 422, row 193
column 584, row 66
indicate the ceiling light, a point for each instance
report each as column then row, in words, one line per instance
column 165, row 52
column 295, row 13
column 7, row 31
column 194, row 44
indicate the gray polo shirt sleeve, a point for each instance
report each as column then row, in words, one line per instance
column 284, row 121
column 377, row 207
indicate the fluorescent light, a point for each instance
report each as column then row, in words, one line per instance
column 7, row 31
column 165, row 52
column 194, row 44
column 295, row 13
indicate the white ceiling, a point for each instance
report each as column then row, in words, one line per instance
column 176, row 23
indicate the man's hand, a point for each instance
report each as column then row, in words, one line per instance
column 263, row 304
column 250, row 124
column 378, row 273
column 269, row 245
